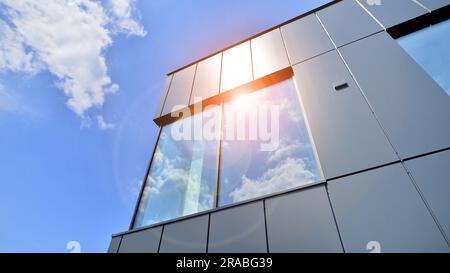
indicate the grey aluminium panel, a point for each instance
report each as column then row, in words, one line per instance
column 186, row 236
column 410, row 105
column 180, row 90
column 305, row 38
column 238, row 229
column 434, row 4
column 144, row 241
column 114, row 245
column 346, row 22
column 268, row 54
column 160, row 106
column 432, row 175
column 207, row 79
column 383, row 206
column 342, row 125
column 391, row 13
column 302, row 222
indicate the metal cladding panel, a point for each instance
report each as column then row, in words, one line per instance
column 435, row 4
column 186, row 236
column 114, row 245
column 412, row 108
column 160, row 106
column 207, row 79
column 268, row 54
column 346, row 22
column 391, row 13
column 343, row 127
column 236, row 67
column 145, row 241
column 302, row 222
column 238, row 229
column 432, row 175
column 180, row 90
column 382, row 207
column 305, row 38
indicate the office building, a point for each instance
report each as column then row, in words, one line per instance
column 327, row 133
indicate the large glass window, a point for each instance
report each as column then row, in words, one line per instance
column 264, row 148
column 182, row 176
column 430, row 48
column 265, row 145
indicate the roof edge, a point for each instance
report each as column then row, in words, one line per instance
column 258, row 34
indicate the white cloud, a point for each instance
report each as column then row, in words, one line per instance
column 289, row 173
column 66, row 37
column 13, row 55
column 292, row 107
column 286, row 149
column 195, row 196
column 104, row 125
column 122, row 11
column 166, row 172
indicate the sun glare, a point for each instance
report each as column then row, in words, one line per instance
column 236, row 67
column 242, row 101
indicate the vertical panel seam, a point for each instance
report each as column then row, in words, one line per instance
column 265, row 226
column 302, row 109
column 207, row 232
column 334, row 217
column 385, row 132
column 251, row 60
column 166, row 95
column 371, row 15
column 309, row 130
column 430, row 211
column 220, row 73
column 362, row 92
column 120, row 244
column 218, row 158
column 192, row 85
column 427, row 205
column 160, row 238
column 285, row 47
column 383, row 129
column 422, row 5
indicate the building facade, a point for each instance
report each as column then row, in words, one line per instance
column 327, row 133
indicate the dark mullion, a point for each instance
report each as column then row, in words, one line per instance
column 219, row 153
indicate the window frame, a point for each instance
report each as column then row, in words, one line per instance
column 219, row 100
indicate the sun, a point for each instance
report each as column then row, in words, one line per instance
column 243, row 101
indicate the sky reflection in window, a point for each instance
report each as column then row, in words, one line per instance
column 430, row 48
column 182, row 177
column 256, row 164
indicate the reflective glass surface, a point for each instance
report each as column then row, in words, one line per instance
column 183, row 173
column 430, row 48
column 265, row 145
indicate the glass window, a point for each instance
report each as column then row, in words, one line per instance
column 430, row 48
column 265, row 148
column 265, row 145
column 182, row 176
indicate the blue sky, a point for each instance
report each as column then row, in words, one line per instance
column 434, row 62
column 77, row 97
